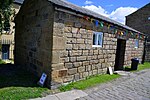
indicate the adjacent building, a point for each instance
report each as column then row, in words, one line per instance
column 7, row 37
column 70, row 43
column 140, row 20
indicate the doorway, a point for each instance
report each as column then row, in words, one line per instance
column 5, row 51
column 120, row 54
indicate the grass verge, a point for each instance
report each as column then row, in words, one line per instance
column 89, row 82
column 2, row 62
column 21, row 93
column 146, row 65
column 19, row 84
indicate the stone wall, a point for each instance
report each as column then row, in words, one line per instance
column 147, row 56
column 59, row 43
column 33, row 38
column 139, row 21
column 132, row 52
column 74, row 58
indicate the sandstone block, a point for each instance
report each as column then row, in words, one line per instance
column 59, row 43
column 86, row 63
column 67, row 29
column 95, row 72
column 58, row 66
column 85, row 74
column 72, row 59
column 68, row 65
column 59, row 73
column 69, row 78
column 81, row 58
column 77, row 64
column 81, row 69
column 55, row 57
column 88, row 68
column 77, row 76
column 85, row 52
column 74, row 30
column 80, row 41
column 69, row 46
column 72, row 71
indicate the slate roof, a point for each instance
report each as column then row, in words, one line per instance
column 18, row 1
column 68, row 5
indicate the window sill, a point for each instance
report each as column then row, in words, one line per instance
column 97, row 46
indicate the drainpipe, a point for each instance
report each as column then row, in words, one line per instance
column 144, row 51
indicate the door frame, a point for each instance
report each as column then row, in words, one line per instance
column 120, row 54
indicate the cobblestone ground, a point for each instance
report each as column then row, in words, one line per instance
column 133, row 87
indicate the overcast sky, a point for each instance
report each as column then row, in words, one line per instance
column 114, row 9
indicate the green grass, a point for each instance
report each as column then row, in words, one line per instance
column 146, row 65
column 19, row 84
column 89, row 82
column 19, row 93
column 2, row 62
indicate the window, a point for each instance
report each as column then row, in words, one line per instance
column 97, row 39
column 136, row 43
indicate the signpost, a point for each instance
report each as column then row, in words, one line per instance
column 42, row 79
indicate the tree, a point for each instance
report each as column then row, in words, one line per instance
column 5, row 13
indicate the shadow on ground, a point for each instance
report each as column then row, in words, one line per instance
column 10, row 75
column 127, row 69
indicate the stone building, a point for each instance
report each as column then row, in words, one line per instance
column 7, row 37
column 69, row 43
column 140, row 20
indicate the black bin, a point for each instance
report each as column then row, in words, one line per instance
column 135, row 62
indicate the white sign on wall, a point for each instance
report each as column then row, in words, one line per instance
column 42, row 79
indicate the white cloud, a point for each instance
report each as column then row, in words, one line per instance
column 88, row 2
column 96, row 9
column 118, row 14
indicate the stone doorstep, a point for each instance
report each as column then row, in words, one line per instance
column 122, row 73
column 69, row 95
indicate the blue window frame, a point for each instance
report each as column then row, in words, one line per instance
column 136, row 43
column 97, row 39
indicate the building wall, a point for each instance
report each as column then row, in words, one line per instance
column 76, row 59
column 9, row 36
column 51, row 41
column 147, row 56
column 132, row 52
column 139, row 21
column 33, row 38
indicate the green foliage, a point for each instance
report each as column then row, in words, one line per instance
column 89, row 82
column 5, row 13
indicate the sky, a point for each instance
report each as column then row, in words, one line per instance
column 114, row 9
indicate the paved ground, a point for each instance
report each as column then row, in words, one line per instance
column 133, row 87
column 129, row 87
